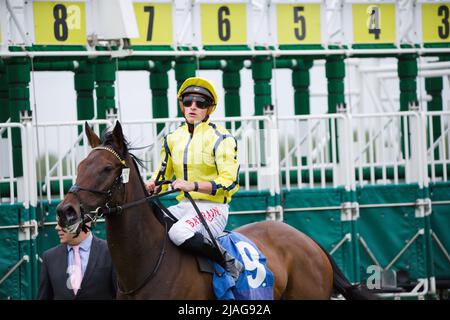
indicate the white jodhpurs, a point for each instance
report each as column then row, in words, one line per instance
column 215, row 214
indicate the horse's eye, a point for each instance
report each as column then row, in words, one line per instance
column 108, row 168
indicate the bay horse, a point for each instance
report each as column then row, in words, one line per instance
column 149, row 266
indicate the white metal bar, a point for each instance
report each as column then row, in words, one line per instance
column 431, row 137
column 408, row 244
column 296, row 146
column 441, row 246
column 309, row 156
column 347, row 237
column 205, row 53
column 11, row 167
column 371, row 156
column 369, row 252
column 444, row 151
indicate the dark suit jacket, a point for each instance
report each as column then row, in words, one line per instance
column 99, row 280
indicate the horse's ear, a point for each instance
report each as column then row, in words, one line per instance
column 93, row 138
column 118, row 139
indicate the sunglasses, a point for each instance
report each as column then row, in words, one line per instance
column 201, row 102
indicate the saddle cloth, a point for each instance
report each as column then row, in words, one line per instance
column 254, row 283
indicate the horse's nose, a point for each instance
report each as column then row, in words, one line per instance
column 67, row 215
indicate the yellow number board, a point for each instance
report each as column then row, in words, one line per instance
column 154, row 23
column 61, row 23
column 224, row 24
column 374, row 23
column 436, row 22
column 298, row 23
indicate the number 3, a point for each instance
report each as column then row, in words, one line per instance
column 251, row 263
column 443, row 31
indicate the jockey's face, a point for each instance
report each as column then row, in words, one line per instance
column 195, row 109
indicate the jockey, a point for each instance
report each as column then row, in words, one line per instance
column 203, row 158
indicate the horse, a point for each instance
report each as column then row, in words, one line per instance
column 149, row 266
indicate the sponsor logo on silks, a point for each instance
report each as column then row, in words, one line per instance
column 254, row 283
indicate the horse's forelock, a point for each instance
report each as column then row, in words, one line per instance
column 108, row 140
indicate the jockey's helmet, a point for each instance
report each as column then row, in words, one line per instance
column 200, row 86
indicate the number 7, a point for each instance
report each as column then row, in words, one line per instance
column 151, row 18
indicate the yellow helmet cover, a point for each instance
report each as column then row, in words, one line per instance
column 189, row 86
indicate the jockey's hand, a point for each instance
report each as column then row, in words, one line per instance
column 150, row 186
column 183, row 185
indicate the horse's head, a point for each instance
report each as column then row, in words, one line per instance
column 99, row 184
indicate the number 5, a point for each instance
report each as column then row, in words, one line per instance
column 300, row 33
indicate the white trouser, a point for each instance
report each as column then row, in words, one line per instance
column 215, row 214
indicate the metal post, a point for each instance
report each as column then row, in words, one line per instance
column 407, row 73
column 262, row 75
column 159, row 84
column 434, row 87
column 18, row 72
column 335, row 73
column 301, row 82
column 84, row 86
column 185, row 67
column 4, row 95
column 231, row 85
column 105, row 76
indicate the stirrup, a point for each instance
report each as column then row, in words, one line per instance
column 233, row 266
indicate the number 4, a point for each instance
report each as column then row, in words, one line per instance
column 374, row 21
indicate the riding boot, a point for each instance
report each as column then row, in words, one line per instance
column 203, row 246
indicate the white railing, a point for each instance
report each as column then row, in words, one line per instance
column 253, row 155
column 306, row 151
column 309, row 150
column 15, row 189
column 62, row 147
column 384, row 144
column 438, row 149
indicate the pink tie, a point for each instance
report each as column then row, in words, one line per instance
column 76, row 276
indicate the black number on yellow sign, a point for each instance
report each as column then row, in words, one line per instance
column 60, row 26
column 300, row 33
column 443, row 31
column 151, row 18
column 374, row 22
column 224, row 23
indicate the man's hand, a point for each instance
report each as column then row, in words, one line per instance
column 183, row 185
column 150, row 186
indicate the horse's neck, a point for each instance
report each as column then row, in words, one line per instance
column 134, row 237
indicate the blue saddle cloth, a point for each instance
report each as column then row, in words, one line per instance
column 254, row 283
